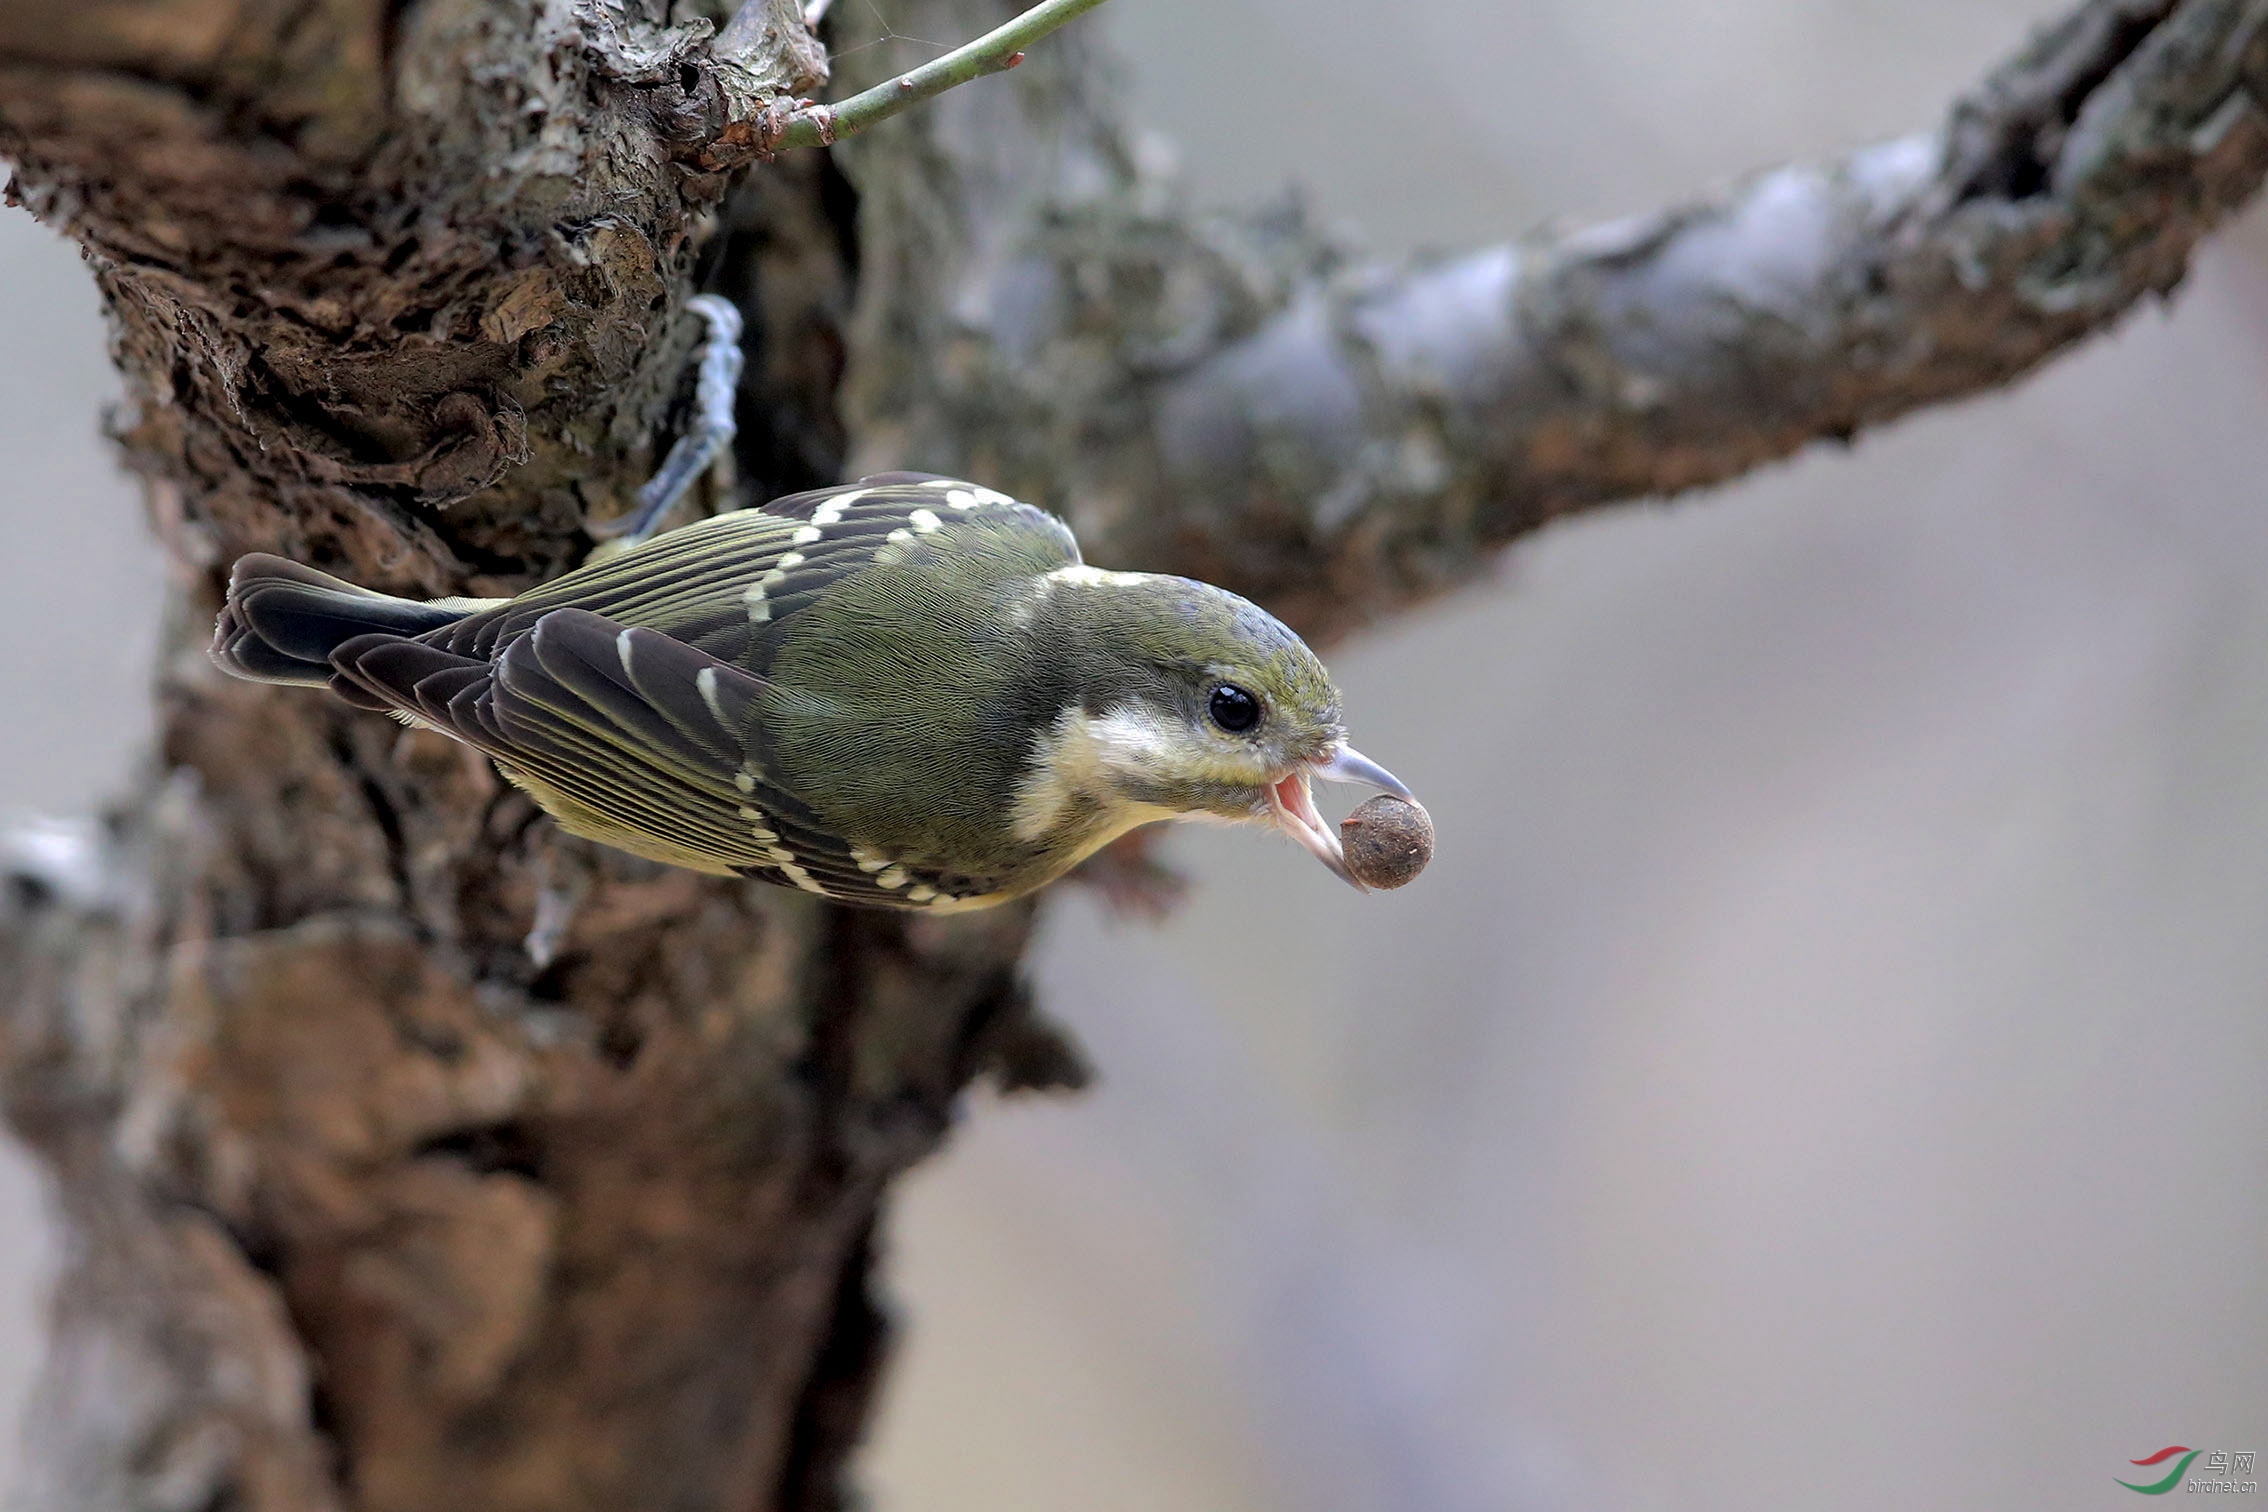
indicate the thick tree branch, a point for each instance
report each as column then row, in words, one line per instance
column 371, row 1207
column 1234, row 401
column 430, row 258
column 427, row 259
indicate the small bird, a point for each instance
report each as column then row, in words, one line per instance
column 906, row 692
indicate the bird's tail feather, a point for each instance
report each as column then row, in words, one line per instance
column 282, row 621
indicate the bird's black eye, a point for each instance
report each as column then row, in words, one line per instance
column 1233, row 709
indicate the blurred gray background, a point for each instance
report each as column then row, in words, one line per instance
column 1825, row 1064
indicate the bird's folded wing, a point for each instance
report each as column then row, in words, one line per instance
column 729, row 585
column 680, row 583
column 628, row 736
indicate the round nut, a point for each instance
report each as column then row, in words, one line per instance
column 1388, row 841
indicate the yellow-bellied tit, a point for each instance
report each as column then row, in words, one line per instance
column 906, row 692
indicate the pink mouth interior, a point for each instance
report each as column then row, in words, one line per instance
column 1294, row 798
column 1296, row 817
column 1296, row 814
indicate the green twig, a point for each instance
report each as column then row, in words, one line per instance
column 998, row 49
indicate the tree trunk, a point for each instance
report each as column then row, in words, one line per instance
column 416, row 1156
column 370, row 1208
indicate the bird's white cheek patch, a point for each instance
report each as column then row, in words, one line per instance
column 1076, row 765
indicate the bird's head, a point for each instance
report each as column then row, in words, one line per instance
column 1186, row 700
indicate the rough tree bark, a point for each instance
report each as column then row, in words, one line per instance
column 415, row 1157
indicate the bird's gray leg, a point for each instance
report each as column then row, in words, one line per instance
column 705, row 440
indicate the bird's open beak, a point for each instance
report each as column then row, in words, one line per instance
column 1292, row 804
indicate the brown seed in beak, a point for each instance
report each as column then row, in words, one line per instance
column 1387, row 841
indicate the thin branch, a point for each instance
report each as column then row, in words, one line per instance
column 995, row 52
